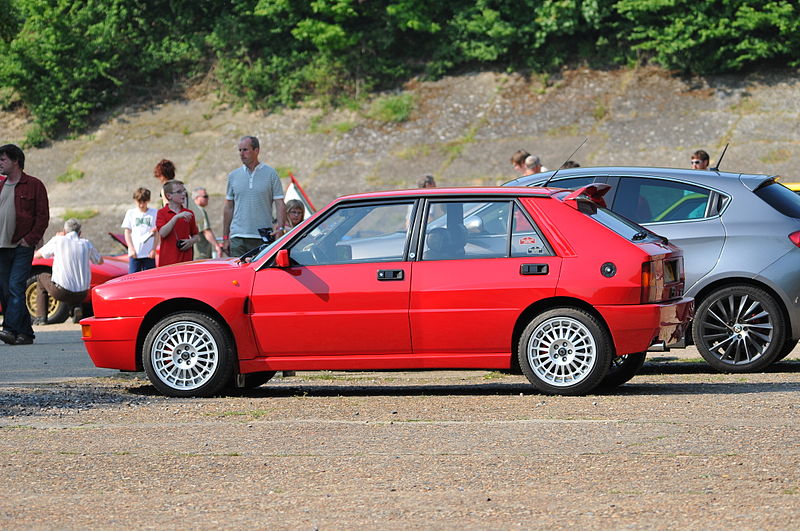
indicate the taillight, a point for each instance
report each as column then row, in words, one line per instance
column 649, row 283
column 795, row 237
column 662, row 280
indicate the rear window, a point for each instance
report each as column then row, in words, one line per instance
column 615, row 222
column 780, row 198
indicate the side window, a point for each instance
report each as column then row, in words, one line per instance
column 657, row 200
column 525, row 239
column 456, row 230
column 371, row 233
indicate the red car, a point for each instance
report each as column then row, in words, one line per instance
column 543, row 281
column 57, row 311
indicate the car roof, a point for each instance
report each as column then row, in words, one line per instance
column 719, row 179
column 460, row 192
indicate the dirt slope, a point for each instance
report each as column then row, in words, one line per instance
column 463, row 131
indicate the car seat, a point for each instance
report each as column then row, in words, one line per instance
column 446, row 244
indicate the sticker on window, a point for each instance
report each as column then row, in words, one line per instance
column 527, row 240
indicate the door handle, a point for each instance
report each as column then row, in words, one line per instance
column 534, row 269
column 390, row 274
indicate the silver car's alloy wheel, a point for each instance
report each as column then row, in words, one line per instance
column 184, row 355
column 739, row 329
column 561, row 351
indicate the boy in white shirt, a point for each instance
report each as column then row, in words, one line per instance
column 141, row 234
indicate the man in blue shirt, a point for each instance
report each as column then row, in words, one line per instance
column 251, row 191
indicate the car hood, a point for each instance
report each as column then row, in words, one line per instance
column 183, row 268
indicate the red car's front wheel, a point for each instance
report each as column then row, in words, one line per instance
column 188, row 354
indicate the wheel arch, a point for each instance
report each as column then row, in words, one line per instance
column 167, row 307
column 542, row 306
column 37, row 269
column 704, row 292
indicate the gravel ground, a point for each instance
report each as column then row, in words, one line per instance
column 677, row 447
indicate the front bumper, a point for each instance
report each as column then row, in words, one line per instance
column 111, row 341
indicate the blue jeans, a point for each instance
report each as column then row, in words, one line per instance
column 15, row 268
column 140, row 264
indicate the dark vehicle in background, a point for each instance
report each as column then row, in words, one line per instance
column 740, row 235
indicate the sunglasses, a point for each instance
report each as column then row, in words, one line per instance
column 697, row 161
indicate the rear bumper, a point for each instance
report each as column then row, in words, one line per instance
column 635, row 328
column 111, row 342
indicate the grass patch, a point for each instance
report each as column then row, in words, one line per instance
column 283, row 171
column 70, row 176
column 255, row 413
column 86, row 213
column 316, row 126
column 344, row 127
column 414, row 152
column 540, row 83
column 600, row 110
column 493, row 375
column 326, row 165
column 392, row 109
column 775, row 156
column 746, row 106
column 564, row 130
column 324, row 375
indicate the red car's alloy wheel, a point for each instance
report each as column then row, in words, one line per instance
column 188, row 354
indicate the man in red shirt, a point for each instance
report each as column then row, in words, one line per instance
column 176, row 226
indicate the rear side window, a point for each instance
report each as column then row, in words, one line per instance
column 573, row 183
column 457, row 230
column 613, row 221
column 657, row 200
column 780, row 198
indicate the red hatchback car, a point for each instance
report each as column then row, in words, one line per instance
column 543, row 281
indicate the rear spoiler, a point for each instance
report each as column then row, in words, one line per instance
column 594, row 192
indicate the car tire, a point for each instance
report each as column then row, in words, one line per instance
column 255, row 379
column 57, row 311
column 565, row 351
column 787, row 348
column 622, row 369
column 739, row 329
column 188, row 354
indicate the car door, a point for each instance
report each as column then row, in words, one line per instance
column 481, row 263
column 686, row 214
column 346, row 290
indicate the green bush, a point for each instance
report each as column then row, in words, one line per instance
column 714, row 36
column 66, row 59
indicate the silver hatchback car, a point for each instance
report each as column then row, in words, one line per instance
column 740, row 236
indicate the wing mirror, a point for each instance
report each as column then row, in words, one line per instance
column 282, row 259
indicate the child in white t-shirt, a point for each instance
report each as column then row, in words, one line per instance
column 141, row 234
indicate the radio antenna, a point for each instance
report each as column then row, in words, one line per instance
column 716, row 168
column 568, row 158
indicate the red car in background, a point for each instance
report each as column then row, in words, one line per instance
column 58, row 312
column 542, row 281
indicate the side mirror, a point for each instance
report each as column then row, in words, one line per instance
column 282, row 259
